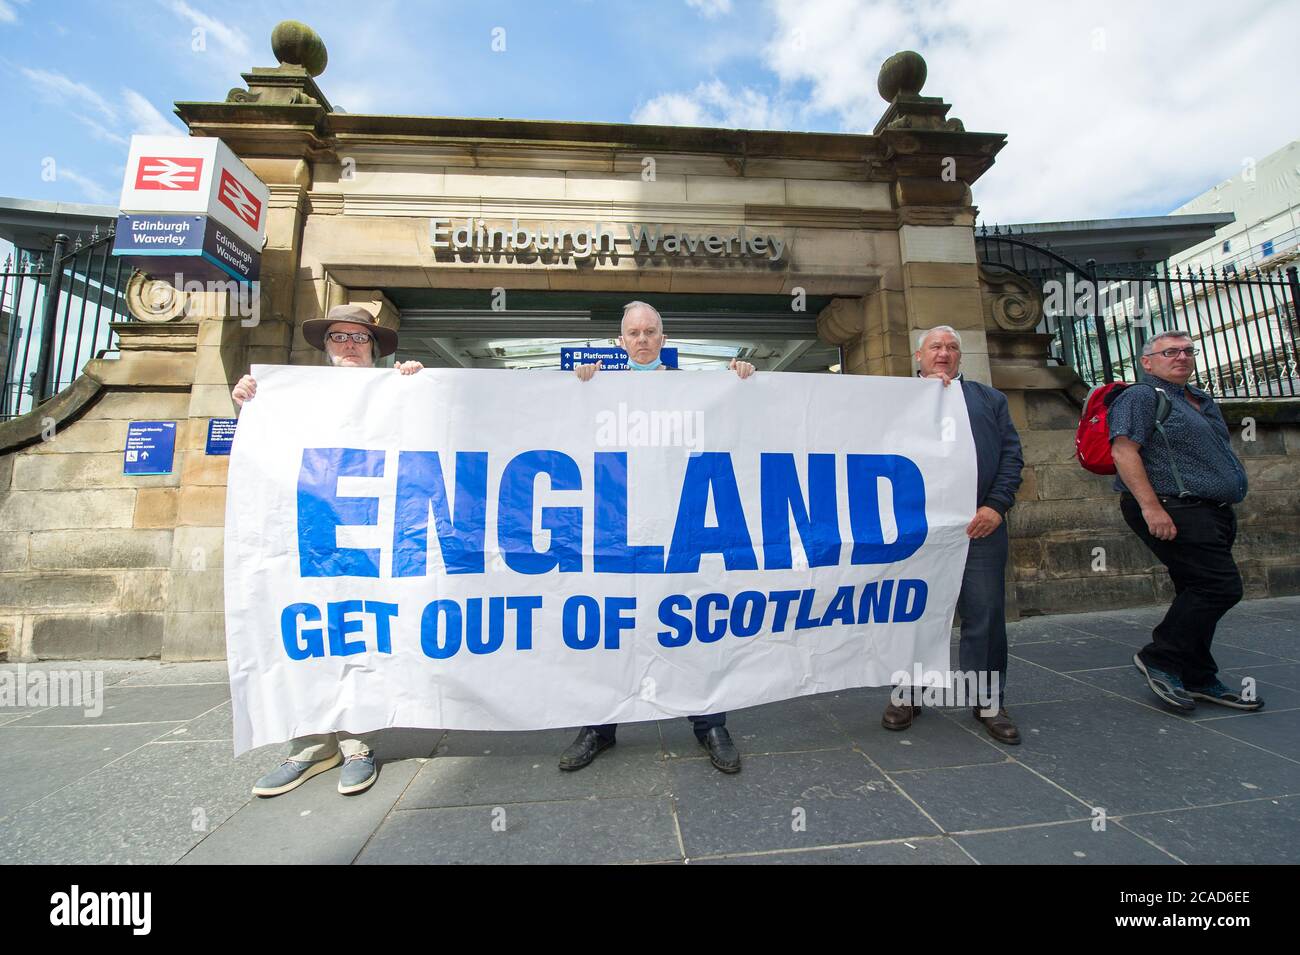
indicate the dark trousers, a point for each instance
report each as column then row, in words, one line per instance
column 1206, row 584
column 982, row 606
column 701, row 724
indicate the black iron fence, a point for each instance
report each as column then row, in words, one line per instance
column 1243, row 323
column 56, row 316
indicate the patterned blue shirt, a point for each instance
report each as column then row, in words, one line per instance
column 1199, row 441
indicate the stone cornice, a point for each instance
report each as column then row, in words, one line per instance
column 676, row 213
column 733, row 143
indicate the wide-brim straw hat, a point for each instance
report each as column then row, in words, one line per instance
column 314, row 329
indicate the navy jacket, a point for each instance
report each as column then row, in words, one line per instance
column 997, row 446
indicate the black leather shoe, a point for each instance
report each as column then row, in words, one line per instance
column 722, row 751
column 584, row 749
column 1000, row 726
column 899, row 716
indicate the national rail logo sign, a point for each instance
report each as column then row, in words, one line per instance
column 190, row 208
column 198, row 175
column 239, row 200
column 166, row 172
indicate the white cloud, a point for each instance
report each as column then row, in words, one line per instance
column 7, row 13
column 100, row 131
column 93, row 190
column 710, row 9
column 145, row 118
column 714, row 103
column 57, row 88
column 1108, row 109
column 231, row 40
column 135, row 115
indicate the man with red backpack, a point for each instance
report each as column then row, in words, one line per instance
column 1179, row 477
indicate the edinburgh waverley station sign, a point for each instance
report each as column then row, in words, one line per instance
column 483, row 236
column 190, row 207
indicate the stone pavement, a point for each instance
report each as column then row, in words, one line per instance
column 152, row 779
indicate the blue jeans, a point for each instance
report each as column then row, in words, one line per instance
column 982, row 606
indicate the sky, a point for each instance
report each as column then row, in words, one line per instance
column 1110, row 108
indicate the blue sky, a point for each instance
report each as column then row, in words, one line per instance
column 1110, row 109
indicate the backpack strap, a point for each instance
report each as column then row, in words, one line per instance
column 1164, row 407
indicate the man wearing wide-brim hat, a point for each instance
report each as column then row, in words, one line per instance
column 350, row 337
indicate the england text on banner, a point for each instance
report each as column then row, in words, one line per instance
column 497, row 550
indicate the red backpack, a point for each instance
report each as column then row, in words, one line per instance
column 1092, row 439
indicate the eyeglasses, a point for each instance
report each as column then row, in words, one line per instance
column 1191, row 352
column 339, row 338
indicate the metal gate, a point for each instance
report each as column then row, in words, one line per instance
column 1243, row 323
column 56, row 318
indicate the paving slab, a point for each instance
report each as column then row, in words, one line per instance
column 1129, row 758
column 1040, row 630
column 940, row 851
column 1031, row 683
column 637, row 829
column 1261, row 832
column 167, row 674
column 216, row 724
column 1071, row 843
column 627, row 769
column 139, row 704
column 984, row 797
column 930, row 742
column 312, row 825
column 541, row 743
column 151, row 806
column 40, row 760
column 790, row 801
column 1070, row 655
column 1276, row 732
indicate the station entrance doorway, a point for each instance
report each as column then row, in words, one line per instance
column 483, row 328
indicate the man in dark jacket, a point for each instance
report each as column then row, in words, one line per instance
column 982, row 602
column 642, row 337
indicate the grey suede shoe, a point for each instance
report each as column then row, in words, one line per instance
column 291, row 774
column 358, row 774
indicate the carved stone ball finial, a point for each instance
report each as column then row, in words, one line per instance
column 296, row 44
column 902, row 73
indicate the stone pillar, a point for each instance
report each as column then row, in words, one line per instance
column 933, row 161
column 230, row 340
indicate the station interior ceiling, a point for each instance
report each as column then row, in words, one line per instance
column 526, row 330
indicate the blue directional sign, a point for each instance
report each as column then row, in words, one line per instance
column 199, row 247
column 221, row 435
column 610, row 358
column 150, row 447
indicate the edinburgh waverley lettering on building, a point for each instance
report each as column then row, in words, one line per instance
column 484, row 236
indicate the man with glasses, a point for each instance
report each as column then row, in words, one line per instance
column 642, row 337
column 1179, row 477
column 350, row 337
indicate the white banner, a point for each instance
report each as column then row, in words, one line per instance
column 509, row 550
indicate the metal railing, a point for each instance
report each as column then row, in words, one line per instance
column 1243, row 323
column 57, row 318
